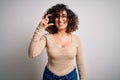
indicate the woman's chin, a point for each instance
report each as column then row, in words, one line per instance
column 61, row 28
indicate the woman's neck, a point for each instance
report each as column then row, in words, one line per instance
column 62, row 33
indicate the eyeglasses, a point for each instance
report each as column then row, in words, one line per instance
column 61, row 16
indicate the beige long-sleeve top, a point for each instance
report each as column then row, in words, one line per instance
column 60, row 60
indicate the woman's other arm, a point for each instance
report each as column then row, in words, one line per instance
column 80, row 61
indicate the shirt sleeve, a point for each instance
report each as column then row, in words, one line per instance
column 80, row 61
column 37, row 43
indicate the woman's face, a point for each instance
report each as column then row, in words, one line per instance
column 61, row 20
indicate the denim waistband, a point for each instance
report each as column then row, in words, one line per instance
column 70, row 74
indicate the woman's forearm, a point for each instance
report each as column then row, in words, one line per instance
column 37, row 43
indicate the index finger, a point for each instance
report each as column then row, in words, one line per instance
column 46, row 17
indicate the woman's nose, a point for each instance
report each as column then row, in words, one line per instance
column 60, row 18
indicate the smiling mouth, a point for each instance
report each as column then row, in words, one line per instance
column 61, row 24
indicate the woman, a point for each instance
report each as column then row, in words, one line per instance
column 62, row 46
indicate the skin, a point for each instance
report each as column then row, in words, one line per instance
column 61, row 38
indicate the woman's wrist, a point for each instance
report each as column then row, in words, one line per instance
column 39, row 29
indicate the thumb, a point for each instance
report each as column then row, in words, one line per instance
column 50, row 24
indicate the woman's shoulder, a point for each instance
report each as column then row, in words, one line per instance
column 46, row 35
column 77, row 37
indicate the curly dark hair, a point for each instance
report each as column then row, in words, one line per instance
column 71, row 16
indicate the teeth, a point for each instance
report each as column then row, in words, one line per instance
column 60, row 24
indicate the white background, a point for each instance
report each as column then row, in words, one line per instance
column 99, row 25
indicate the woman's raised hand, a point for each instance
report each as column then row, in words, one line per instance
column 45, row 21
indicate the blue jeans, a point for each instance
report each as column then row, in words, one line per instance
column 48, row 75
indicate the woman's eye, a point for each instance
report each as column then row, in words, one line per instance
column 64, row 16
